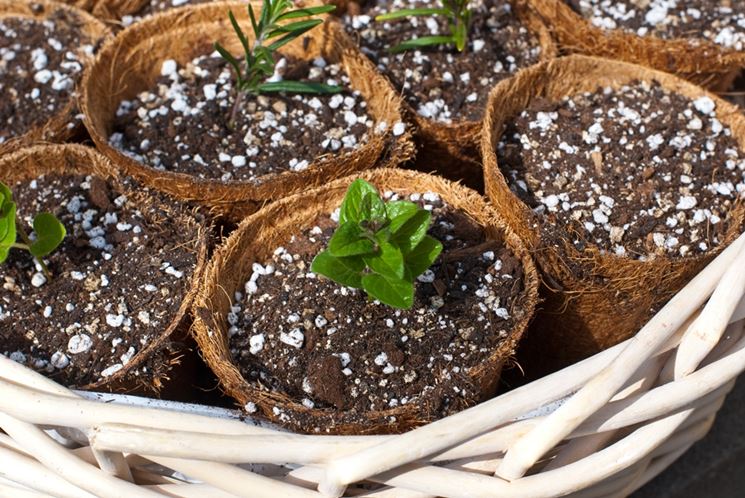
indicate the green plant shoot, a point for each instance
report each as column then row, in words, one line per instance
column 459, row 20
column 380, row 247
column 47, row 228
column 259, row 64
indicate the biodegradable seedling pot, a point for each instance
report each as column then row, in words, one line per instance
column 111, row 313
column 378, row 344
column 141, row 54
column 42, row 61
column 693, row 57
column 442, row 87
column 597, row 294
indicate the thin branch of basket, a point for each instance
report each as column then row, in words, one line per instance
column 467, row 424
column 704, row 334
column 189, row 491
column 600, row 389
column 30, row 473
column 234, row 480
column 64, row 463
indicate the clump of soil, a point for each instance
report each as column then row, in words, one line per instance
column 182, row 125
column 329, row 346
column 40, row 63
column 636, row 171
column 718, row 21
column 118, row 280
column 439, row 82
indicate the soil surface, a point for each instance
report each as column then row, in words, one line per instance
column 182, row 124
column 329, row 346
column 637, row 171
column 40, row 64
column 438, row 82
column 117, row 282
column 718, row 21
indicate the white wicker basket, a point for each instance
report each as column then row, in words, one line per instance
column 600, row 428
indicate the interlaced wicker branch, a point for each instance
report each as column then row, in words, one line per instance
column 600, row 428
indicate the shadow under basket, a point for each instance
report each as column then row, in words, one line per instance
column 131, row 63
column 593, row 299
column 255, row 241
column 161, row 364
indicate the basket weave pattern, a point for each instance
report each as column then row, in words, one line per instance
column 624, row 416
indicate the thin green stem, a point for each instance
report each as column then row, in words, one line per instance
column 27, row 242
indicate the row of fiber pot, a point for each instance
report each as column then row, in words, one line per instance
column 290, row 346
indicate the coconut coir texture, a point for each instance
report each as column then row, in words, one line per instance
column 330, row 347
column 118, row 282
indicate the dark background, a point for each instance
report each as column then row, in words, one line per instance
column 715, row 466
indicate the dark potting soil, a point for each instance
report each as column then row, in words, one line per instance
column 718, row 21
column 637, row 171
column 117, row 282
column 438, row 82
column 40, row 64
column 182, row 124
column 327, row 345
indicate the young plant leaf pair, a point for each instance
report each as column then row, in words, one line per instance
column 459, row 20
column 380, row 247
column 259, row 63
column 48, row 229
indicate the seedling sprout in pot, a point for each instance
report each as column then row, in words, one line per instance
column 444, row 56
column 244, row 105
column 97, row 274
column 370, row 305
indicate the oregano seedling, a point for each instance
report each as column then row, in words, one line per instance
column 48, row 230
column 380, row 247
column 259, row 63
column 457, row 13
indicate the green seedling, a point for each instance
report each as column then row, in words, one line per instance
column 459, row 20
column 380, row 247
column 47, row 228
column 259, row 63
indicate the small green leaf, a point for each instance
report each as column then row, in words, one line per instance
column 408, row 234
column 349, row 240
column 239, row 32
column 422, row 256
column 231, row 60
column 351, row 206
column 459, row 36
column 298, row 87
column 395, row 293
column 372, row 208
column 424, row 41
column 7, row 229
column 388, row 262
column 295, row 27
column 400, row 14
column 252, row 17
column 396, row 209
column 49, row 234
column 344, row 271
column 6, row 195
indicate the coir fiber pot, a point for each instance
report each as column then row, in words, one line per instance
column 58, row 124
column 111, row 315
column 236, row 263
column 132, row 62
column 594, row 298
column 696, row 60
column 450, row 149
